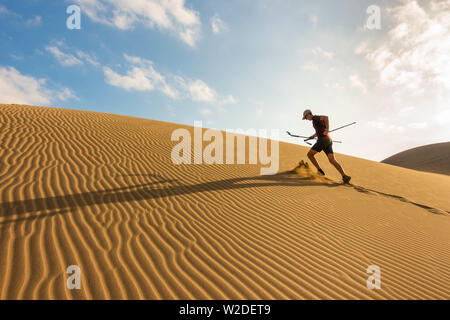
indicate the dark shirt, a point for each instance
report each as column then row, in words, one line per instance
column 319, row 126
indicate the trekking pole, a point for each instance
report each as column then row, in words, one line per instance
column 295, row 136
column 347, row 125
column 343, row 126
column 307, row 138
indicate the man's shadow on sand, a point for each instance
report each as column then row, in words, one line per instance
column 150, row 191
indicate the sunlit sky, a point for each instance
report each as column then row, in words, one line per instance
column 240, row 64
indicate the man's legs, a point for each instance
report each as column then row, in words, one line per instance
column 311, row 154
column 336, row 164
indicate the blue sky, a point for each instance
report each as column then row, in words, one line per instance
column 240, row 64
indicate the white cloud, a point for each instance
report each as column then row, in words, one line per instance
column 356, row 82
column 34, row 22
column 141, row 77
column 67, row 59
column 418, row 125
column 361, row 48
column 228, row 100
column 4, row 10
column 416, row 53
column 170, row 15
column 189, row 36
column 91, row 59
column 217, row 24
column 205, row 112
column 200, row 91
column 23, row 89
column 322, row 52
column 16, row 57
column 136, row 79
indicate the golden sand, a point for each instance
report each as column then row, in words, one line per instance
column 100, row 191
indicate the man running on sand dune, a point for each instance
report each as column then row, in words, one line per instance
column 324, row 142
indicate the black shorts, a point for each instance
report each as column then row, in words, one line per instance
column 324, row 144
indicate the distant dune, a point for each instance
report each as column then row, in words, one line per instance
column 431, row 158
column 100, row 191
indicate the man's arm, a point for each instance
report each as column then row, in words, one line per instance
column 327, row 124
column 313, row 136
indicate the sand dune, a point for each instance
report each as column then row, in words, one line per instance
column 431, row 158
column 100, row 191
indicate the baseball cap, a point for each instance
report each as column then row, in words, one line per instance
column 305, row 113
